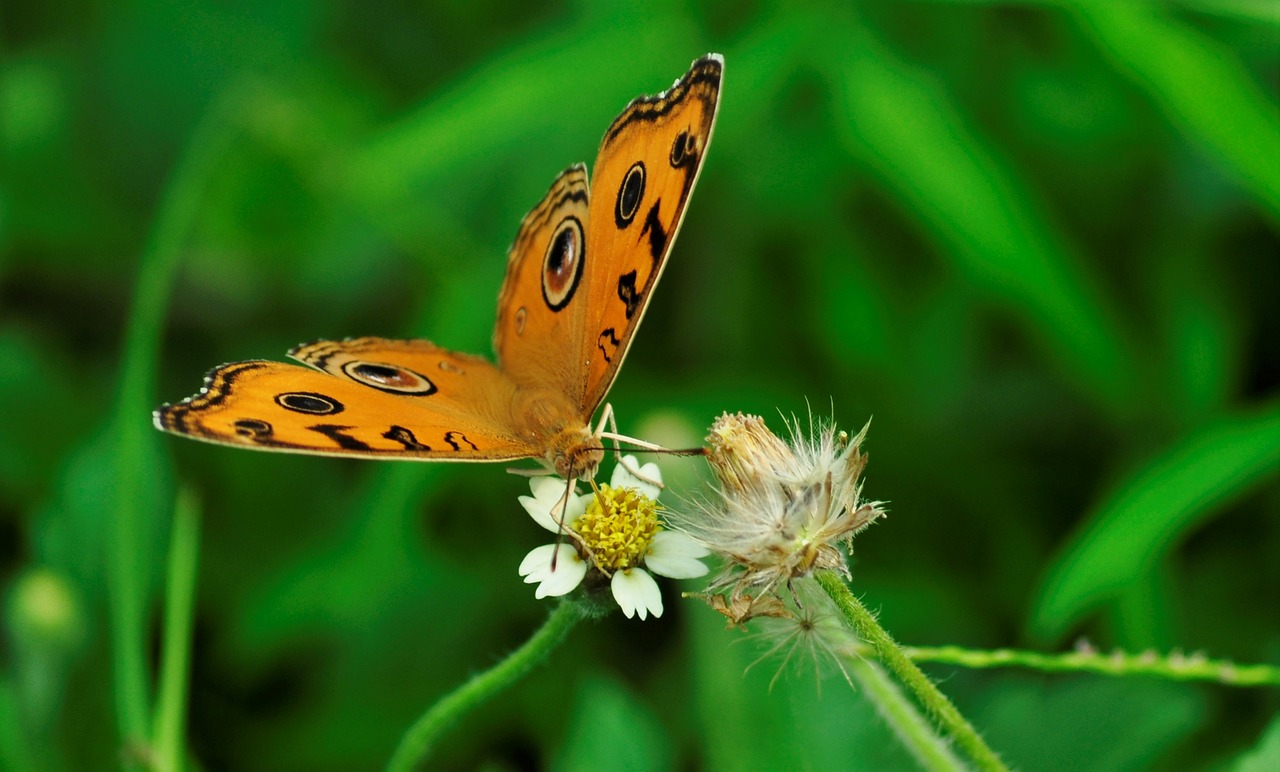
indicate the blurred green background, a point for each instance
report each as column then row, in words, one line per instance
column 1037, row 241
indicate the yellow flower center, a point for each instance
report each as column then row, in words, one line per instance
column 618, row 526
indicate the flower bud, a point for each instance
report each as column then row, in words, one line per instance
column 744, row 455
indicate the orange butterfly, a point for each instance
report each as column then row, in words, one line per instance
column 579, row 277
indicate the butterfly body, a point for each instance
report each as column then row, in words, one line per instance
column 579, row 277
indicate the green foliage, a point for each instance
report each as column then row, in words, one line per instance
column 607, row 722
column 1265, row 755
column 1037, row 241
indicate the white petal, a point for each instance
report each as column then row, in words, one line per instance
column 623, row 478
column 637, row 593
column 535, row 561
column 676, row 556
column 570, row 569
column 677, row 543
column 546, row 505
column 548, row 487
column 567, row 574
column 540, row 513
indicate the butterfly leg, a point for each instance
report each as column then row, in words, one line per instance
column 607, row 417
column 523, row 472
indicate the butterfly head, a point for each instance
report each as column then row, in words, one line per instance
column 575, row 453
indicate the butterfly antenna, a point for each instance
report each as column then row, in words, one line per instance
column 666, row 451
column 564, row 513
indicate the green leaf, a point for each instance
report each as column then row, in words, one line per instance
column 135, row 441
column 1265, row 755
column 168, row 736
column 1148, row 514
column 908, row 132
column 1200, row 85
column 1115, row 724
column 608, row 722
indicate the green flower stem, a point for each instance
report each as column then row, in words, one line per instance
column 422, row 736
column 175, row 656
column 135, row 441
column 862, row 622
column 931, row 751
column 16, row 751
column 1174, row 666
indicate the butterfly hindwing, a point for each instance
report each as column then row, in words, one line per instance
column 450, row 382
column 541, row 306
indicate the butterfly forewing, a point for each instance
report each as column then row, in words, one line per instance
column 644, row 174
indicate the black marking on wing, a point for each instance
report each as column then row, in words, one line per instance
column 684, row 150
column 627, row 292
column 392, row 379
column 651, row 108
column 574, row 183
column 563, row 264
column 579, row 195
column 309, row 402
column 254, row 429
column 335, row 433
column 610, row 337
column 218, row 383
column 453, row 439
column 319, row 352
column 404, row 437
column 657, row 234
column 630, row 194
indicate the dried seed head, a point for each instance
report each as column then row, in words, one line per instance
column 782, row 510
column 811, row 633
column 744, row 454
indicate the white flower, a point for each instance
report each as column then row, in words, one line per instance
column 614, row 530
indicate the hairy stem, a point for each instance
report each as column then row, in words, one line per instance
column 420, row 739
column 930, row 750
column 1174, row 666
column 948, row 718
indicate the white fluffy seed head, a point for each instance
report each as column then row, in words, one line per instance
column 782, row 510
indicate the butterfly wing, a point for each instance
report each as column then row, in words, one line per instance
column 644, row 174
column 578, row 279
column 367, row 397
column 540, row 308
column 581, row 269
